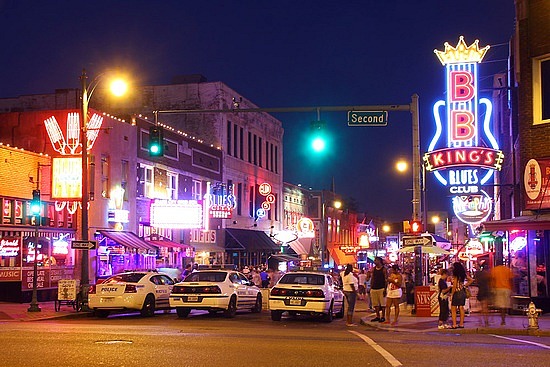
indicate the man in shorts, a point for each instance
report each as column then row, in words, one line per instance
column 378, row 281
column 501, row 279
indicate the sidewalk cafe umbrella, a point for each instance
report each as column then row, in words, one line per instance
column 425, row 250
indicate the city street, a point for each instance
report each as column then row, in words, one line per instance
column 252, row 340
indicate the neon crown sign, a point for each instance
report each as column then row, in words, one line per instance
column 470, row 154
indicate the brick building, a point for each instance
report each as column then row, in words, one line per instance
column 522, row 233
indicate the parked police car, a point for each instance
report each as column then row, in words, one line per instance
column 306, row 292
column 143, row 291
column 215, row 290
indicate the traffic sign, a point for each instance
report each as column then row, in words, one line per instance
column 417, row 241
column 83, row 245
column 367, row 118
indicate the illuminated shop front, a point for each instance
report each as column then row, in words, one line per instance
column 119, row 251
column 19, row 249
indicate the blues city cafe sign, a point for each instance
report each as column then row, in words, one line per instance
column 464, row 154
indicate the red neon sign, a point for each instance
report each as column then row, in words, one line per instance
column 473, row 156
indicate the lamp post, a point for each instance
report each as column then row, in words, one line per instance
column 34, row 307
column 84, row 271
column 118, row 88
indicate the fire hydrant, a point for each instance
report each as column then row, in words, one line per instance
column 533, row 316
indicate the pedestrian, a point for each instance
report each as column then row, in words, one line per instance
column 186, row 271
column 483, row 281
column 458, row 293
column 409, row 290
column 394, row 293
column 256, row 278
column 265, row 278
column 378, row 277
column 361, row 292
column 350, row 285
column 443, row 299
column 502, row 278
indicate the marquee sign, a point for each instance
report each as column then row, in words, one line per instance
column 176, row 214
column 535, row 181
column 469, row 156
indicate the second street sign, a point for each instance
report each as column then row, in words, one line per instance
column 367, row 118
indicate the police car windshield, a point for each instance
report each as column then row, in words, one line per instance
column 313, row 279
column 206, row 276
column 125, row 278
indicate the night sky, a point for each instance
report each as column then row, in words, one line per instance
column 276, row 54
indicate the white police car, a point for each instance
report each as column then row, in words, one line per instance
column 144, row 291
column 306, row 292
column 215, row 290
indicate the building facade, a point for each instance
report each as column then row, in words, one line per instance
column 521, row 230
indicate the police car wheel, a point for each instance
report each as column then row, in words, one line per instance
column 340, row 313
column 258, row 305
column 231, row 308
column 183, row 312
column 329, row 315
column 148, row 308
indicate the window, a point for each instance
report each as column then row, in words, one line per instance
column 267, row 155
column 249, row 147
column 124, row 168
column 276, row 160
column 105, row 175
column 235, row 141
column 229, row 150
column 541, row 91
column 255, row 150
column 145, row 183
column 239, row 198
column 241, row 143
column 197, row 190
column 260, row 152
column 172, row 185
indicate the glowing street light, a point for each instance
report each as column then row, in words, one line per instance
column 118, row 87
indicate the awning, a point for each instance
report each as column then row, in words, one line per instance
column 299, row 247
column 531, row 222
column 127, row 239
column 248, row 240
column 342, row 258
column 167, row 243
column 284, row 257
column 207, row 247
column 441, row 242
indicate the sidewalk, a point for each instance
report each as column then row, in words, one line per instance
column 515, row 324
column 18, row 312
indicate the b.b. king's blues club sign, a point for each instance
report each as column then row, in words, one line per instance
column 464, row 154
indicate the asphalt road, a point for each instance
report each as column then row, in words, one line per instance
column 251, row 340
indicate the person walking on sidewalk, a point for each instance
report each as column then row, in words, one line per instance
column 350, row 284
column 378, row 277
column 362, row 291
column 483, row 281
column 394, row 293
column 458, row 293
column 502, row 277
column 443, row 299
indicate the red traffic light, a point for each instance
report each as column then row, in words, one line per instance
column 416, row 226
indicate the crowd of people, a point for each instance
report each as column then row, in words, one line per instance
column 383, row 288
column 494, row 289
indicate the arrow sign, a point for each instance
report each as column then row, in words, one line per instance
column 416, row 241
column 83, row 245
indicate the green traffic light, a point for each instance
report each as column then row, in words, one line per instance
column 318, row 144
column 154, row 149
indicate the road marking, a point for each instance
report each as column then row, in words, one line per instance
column 391, row 359
column 522, row 341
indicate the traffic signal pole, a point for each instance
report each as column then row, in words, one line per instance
column 412, row 107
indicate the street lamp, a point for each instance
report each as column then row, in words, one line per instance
column 118, row 87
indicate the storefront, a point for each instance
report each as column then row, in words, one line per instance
column 523, row 244
column 247, row 247
column 19, row 249
column 119, row 251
